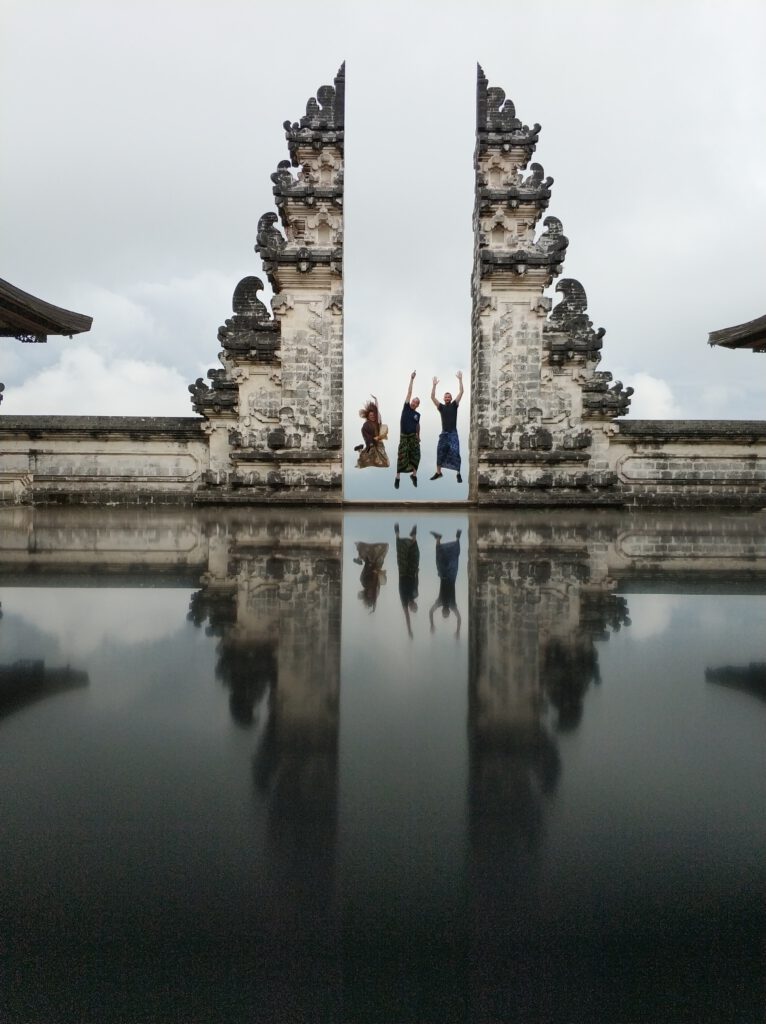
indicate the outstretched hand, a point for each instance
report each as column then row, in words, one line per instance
column 459, row 374
column 436, row 381
column 412, row 375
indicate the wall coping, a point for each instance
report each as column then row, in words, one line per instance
column 131, row 427
column 739, row 431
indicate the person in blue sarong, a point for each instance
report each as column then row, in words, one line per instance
column 447, row 565
column 448, row 445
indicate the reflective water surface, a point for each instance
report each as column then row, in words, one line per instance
column 265, row 765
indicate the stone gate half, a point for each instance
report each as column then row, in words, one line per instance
column 541, row 410
column 274, row 412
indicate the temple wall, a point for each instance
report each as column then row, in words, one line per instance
column 692, row 463
column 101, row 459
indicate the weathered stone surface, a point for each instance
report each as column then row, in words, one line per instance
column 280, row 392
column 101, row 459
column 535, row 386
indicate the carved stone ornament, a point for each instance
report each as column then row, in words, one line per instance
column 223, row 396
column 323, row 122
column 269, row 241
column 251, row 333
column 496, row 121
column 569, row 330
column 601, row 400
column 548, row 251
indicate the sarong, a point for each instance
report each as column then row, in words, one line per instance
column 408, row 563
column 448, row 560
column 447, row 564
column 374, row 457
column 448, row 450
column 408, row 456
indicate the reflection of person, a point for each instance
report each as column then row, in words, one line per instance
column 447, row 564
column 448, row 446
column 408, row 456
column 372, row 454
column 371, row 557
column 408, row 563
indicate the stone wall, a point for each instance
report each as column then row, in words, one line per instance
column 691, row 463
column 101, row 459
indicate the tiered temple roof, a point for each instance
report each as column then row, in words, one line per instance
column 751, row 335
column 27, row 318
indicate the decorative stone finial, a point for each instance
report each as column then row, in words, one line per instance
column 496, row 120
column 569, row 330
column 324, row 120
column 251, row 333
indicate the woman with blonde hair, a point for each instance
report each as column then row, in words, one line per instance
column 372, row 454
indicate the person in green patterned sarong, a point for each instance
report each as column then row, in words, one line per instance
column 408, row 456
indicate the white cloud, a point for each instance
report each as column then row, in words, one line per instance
column 83, row 382
column 653, row 397
column 118, row 618
column 652, row 614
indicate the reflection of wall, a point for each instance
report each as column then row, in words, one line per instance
column 26, row 682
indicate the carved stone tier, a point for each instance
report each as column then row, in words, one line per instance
column 497, row 126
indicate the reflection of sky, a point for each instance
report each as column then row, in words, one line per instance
column 403, row 722
column 664, row 764
column 132, row 820
column 118, row 616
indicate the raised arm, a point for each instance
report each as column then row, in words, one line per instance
column 460, row 381
column 409, row 389
column 434, row 399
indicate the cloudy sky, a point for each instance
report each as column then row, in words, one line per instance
column 137, row 140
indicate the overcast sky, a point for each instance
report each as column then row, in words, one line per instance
column 137, row 140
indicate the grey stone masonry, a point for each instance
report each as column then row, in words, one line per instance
column 690, row 463
column 101, row 460
column 540, row 408
column 274, row 412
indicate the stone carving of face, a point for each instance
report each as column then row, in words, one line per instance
column 414, row 403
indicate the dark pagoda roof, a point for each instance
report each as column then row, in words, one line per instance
column 751, row 335
column 28, row 318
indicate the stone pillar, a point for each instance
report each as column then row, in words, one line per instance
column 540, row 410
column 275, row 411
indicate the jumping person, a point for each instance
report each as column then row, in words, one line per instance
column 373, row 452
column 448, row 447
column 408, row 456
column 408, row 563
column 371, row 557
column 447, row 563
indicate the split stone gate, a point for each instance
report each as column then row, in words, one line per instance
column 547, row 425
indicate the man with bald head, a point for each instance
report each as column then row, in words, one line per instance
column 448, row 447
column 408, row 456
